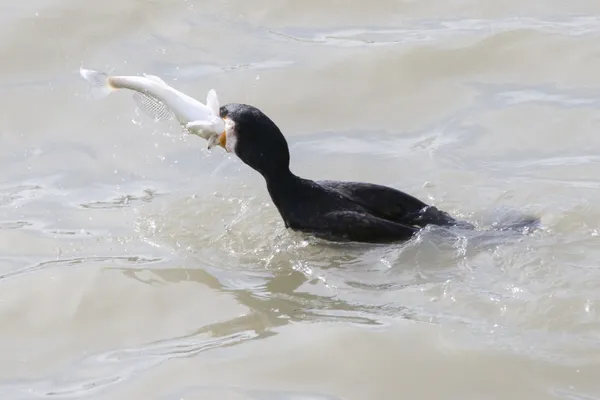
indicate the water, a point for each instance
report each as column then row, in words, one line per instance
column 135, row 264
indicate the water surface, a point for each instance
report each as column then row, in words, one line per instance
column 136, row 264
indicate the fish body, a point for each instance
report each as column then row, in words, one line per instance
column 163, row 102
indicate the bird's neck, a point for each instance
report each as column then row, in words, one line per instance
column 280, row 180
column 284, row 187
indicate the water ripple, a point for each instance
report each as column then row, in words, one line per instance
column 69, row 262
column 96, row 373
column 127, row 200
column 428, row 31
column 14, row 224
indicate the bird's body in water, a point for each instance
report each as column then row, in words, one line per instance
column 334, row 210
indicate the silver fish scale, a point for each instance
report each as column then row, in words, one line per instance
column 153, row 107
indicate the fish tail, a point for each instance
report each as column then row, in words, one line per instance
column 100, row 85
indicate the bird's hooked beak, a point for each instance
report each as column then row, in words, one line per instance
column 222, row 140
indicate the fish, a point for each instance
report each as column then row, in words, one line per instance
column 163, row 102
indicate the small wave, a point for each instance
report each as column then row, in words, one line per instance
column 127, row 200
column 428, row 31
column 98, row 372
column 70, row 262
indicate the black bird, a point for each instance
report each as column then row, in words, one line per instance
column 334, row 210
